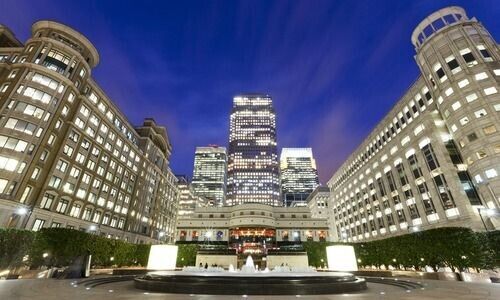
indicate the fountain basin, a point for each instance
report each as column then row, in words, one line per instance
column 260, row 283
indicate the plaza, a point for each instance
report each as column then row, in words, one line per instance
column 92, row 205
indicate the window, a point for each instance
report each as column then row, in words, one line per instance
column 75, row 210
column 486, row 55
column 20, row 125
column 417, row 172
column 470, row 60
column 3, row 184
column 55, row 225
column 472, row 137
column 55, row 182
column 480, row 113
column 439, row 72
column 456, row 105
column 35, row 173
column 97, row 216
column 12, row 144
column 55, row 60
column 38, row 224
column 464, row 121
column 25, row 195
column 4, row 87
column 47, row 200
column 45, row 81
column 480, row 154
column 471, row 97
column 453, row 64
column 61, row 166
column 12, row 74
column 491, row 173
column 62, row 206
column 430, row 157
column 37, row 95
column 426, row 199
column 8, row 164
column 448, row 92
column 463, row 83
column 87, row 214
column 481, row 76
column 444, row 192
column 74, row 172
column 490, row 91
column 490, row 129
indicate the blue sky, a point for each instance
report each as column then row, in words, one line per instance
column 333, row 68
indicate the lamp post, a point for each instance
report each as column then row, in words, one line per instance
column 26, row 212
column 161, row 234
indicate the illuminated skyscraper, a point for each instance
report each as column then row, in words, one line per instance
column 299, row 176
column 253, row 170
column 209, row 173
column 188, row 200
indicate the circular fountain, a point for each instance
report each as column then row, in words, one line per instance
column 282, row 280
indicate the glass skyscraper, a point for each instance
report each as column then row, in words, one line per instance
column 253, row 170
column 299, row 176
column 209, row 173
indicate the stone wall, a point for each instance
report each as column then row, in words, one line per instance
column 290, row 260
column 221, row 260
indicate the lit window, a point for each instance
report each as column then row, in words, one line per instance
column 448, row 92
column 463, row 83
column 464, row 121
column 3, row 184
column 38, row 224
column 490, row 91
column 454, row 128
column 490, row 129
column 491, row 173
column 456, row 105
column 471, row 97
column 478, row 178
column 497, row 72
column 481, row 154
column 481, row 76
column 4, row 88
column 480, row 113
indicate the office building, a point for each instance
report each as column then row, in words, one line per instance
column 252, row 226
column 209, row 174
column 299, row 176
column 253, row 170
column 68, row 156
column 434, row 159
column 188, row 200
column 318, row 202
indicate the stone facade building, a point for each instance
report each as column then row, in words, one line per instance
column 68, row 156
column 434, row 159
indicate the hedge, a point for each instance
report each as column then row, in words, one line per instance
column 456, row 248
column 64, row 246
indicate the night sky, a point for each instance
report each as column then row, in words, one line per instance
column 333, row 68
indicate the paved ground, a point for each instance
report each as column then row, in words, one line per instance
column 66, row 289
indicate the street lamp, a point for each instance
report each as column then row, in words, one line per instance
column 26, row 213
